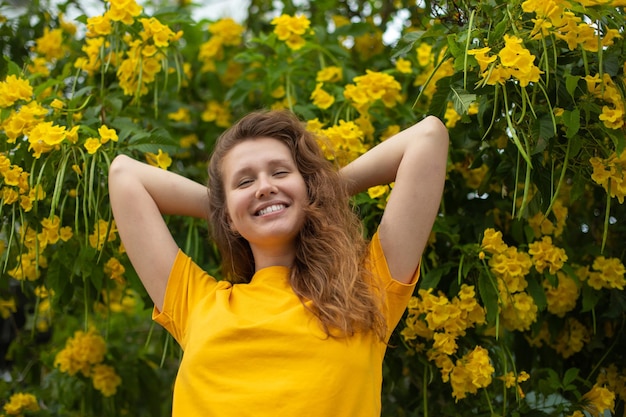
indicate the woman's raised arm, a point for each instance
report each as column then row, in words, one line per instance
column 416, row 160
column 140, row 195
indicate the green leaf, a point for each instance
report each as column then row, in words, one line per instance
column 590, row 298
column 461, row 100
column 571, row 83
column 489, row 296
column 535, row 289
column 572, row 121
column 570, row 376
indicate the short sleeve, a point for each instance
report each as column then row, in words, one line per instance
column 187, row 285
column 397, row 294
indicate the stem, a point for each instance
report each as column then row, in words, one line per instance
column 425, row 391
column 430, row 77
column 561, row 179
column 607, row 214
column 467, row 43
column 513, row 133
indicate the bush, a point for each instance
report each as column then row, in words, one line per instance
column 520, row 309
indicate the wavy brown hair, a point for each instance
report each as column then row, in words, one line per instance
column 330, row 249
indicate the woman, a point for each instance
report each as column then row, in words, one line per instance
column 300, row 325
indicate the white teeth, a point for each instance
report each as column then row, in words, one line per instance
column 271, row 209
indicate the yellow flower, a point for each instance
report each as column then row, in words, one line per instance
column 571, row 339
column 162, row 160
column 609, row 273
column 99, row 25
column 92, row 145
column 425, row 55
column 228, row 31
column 107, row 134
column 403, row 66
column 13, row 89
column 546, row 255
column 598, row 400
column 57, row 104
column 492, row 241
column 329, row 74
column 7, row 307
column 20, row 403
column 518, row 311
column 378, row 191
column 451, row 117
column 80, row 353
column 290, row 29
column 482, row 58
column 562, row 298
column 180, row 115
column 105, row 379
column 99, row 236
column 50, row 44
column 321, row 98
column 218, row 113
column 44, row 136
column 471, row 372
column 123, row 11
column 374, row 86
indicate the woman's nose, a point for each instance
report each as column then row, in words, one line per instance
column 265, row 186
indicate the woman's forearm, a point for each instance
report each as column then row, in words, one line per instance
column 172, row 193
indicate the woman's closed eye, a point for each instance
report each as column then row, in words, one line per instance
column 244, row 182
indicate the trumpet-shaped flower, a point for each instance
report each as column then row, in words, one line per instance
column 13, row 89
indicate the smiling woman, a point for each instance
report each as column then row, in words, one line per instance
column 308, row 305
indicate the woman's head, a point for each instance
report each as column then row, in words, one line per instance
column 328, row 267
column 320, row 179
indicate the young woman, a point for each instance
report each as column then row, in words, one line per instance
column 299, row 325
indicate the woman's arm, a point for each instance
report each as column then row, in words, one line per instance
column 140, row 195
column 416, row 160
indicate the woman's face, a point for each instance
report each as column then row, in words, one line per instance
column 265, row 194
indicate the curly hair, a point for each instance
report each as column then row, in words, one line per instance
column 329, row 266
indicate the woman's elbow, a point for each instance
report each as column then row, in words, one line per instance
column 437, row 129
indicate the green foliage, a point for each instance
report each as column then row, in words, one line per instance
column 520, row 309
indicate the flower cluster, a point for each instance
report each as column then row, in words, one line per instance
column 224, row 32
column 103, row 232
column 341, row 142
column 571, row 338
column 562, row 297
column 598, row 400
column 138, row 66
column 510, row 266
column 371, row 87
column 607, row 273
column 556, row 18
column 291, row 29
column 515, row 62
column 21, row 403
column 613, row 112
column 542, row 225
column 615, row 380
column 471, row 372
column 547, row 256
column 610, row 173
column 84, row 353
column 442, row 322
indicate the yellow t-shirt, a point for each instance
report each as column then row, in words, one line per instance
column 254, row 350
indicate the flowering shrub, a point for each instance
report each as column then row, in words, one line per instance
column 520, row 309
